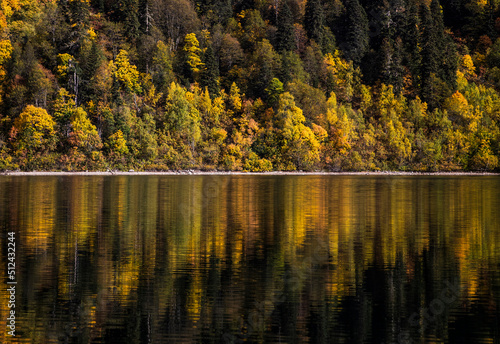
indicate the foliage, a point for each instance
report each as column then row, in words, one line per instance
column 276, row 85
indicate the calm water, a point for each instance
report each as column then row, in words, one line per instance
column 257, row 259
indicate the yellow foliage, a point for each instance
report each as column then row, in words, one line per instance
column 5, row 50
column 467, row 66
column 340, row 74
column 64, row 65
column 117, row 143
column 461, row 81
column 193, row 52
column 33, row 129
column 126, row 73
column 92, row 34
column 320, row 133
column 9, row 7
column 84, row 134
column 457, row 104
column 235, row 97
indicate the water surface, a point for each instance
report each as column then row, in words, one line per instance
column 257, row 259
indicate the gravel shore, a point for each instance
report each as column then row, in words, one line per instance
column 274, row 173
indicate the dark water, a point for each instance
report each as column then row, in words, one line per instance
column 257, row 259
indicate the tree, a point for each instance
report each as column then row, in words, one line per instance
column 356, row 41
column 161, row 69
column 126, row 74
column 430, row 55
column 314, row 20
column 292, row 67
column 223, row 10
column 182, row 119
column 33, row 132
column 391, row 65
column 210, row 73
column 128, row 12
column 145, row 16
column 265, row 65
column 439, row 57
column 192, row 56
column 411, row 42
column 285, row 37
column 175, row 18
column 298, row 146
column 92, row 59
column 83, row 135
column 231, row 53
column 274, row 90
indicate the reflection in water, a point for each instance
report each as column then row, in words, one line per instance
column 263, row 259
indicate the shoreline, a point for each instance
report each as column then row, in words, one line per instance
column 239, row 173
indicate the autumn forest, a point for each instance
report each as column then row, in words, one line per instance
column 264, row 85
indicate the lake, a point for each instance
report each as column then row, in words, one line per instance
column 256, row 259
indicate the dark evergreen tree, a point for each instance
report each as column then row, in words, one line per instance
column 285, row 38
column 328, row 42
column 430, row 54
column 79, row 13
column 223, row 10
column 488, row 19
column 449, row 64
column 438, row 25
column 356, row 42
column 129, row 15
column 76, row 14
column 411, row 42
column 91, row 61
column 439, row 59
column 391, row 67
column 314, row 20
column 210, row 74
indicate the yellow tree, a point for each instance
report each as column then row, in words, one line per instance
column 126, row 73
column 192, row 52
column 182, row 117
column 84, row 134
column 392, row 133
column 7, row 8
column 298, row 145
column 33, row 132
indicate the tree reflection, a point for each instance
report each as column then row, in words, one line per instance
column 206, row 259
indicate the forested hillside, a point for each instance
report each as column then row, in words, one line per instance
column 250, row 85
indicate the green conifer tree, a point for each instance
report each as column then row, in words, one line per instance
column 285, row 38
column 357, row 35
column 411, row 42
column 210, row 73
column 314, row 20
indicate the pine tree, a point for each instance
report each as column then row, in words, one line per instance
column 391, row 66
column 449, row 64
column 314, row 19
column 439, row 56
column 223, row 9
column 438, row 26
column 129, row 14
column 357, row 35
column 488, row 19
column 411, row 41
column 91, row 61
column 210, row 74
column 430, row 53
column 285, row 38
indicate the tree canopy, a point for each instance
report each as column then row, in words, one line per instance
column 255, row 85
